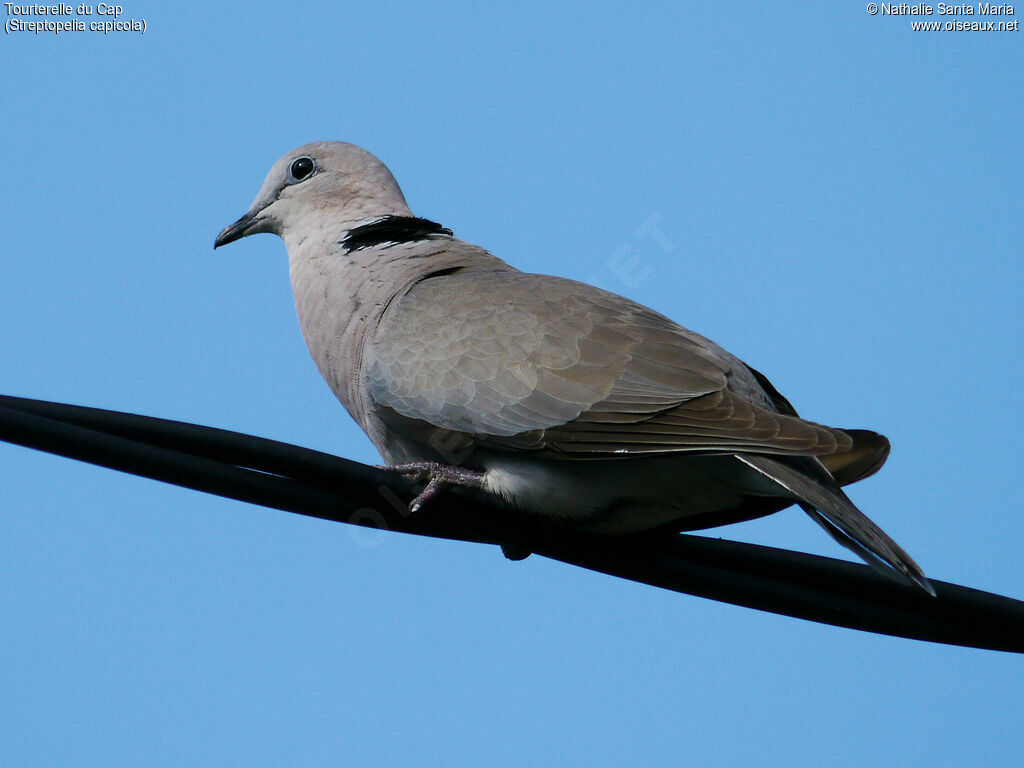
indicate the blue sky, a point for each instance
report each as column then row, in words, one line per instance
column 831, row 196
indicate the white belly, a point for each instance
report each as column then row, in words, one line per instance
column 623, row 495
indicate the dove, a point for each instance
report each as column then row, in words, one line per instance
column 555, row 397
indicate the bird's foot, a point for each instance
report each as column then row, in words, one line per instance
column 513, row 552
column 437, row 476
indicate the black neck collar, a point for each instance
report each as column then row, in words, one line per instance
column 392, row 230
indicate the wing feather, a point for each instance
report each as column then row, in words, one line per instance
column 532, row 362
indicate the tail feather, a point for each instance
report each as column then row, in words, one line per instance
column 820, row 496
column 868, row 454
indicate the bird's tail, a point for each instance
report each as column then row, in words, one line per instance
column 820, row 496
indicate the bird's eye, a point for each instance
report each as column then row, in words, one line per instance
column 301, row 168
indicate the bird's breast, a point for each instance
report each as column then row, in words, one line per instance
column 337, row 305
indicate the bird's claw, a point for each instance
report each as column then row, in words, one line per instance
column 437, row 477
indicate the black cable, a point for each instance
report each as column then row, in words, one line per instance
column 287, row 477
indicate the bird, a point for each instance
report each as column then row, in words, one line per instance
column 551, row 396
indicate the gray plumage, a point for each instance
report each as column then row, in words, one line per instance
column 565, row 400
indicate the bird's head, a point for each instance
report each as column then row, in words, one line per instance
column 326, row 184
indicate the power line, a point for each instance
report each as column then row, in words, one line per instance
column 295, row 479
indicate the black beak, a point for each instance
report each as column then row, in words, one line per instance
column 235, row 231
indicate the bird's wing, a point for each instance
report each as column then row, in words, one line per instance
column 537, row 363
column 532, row 362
